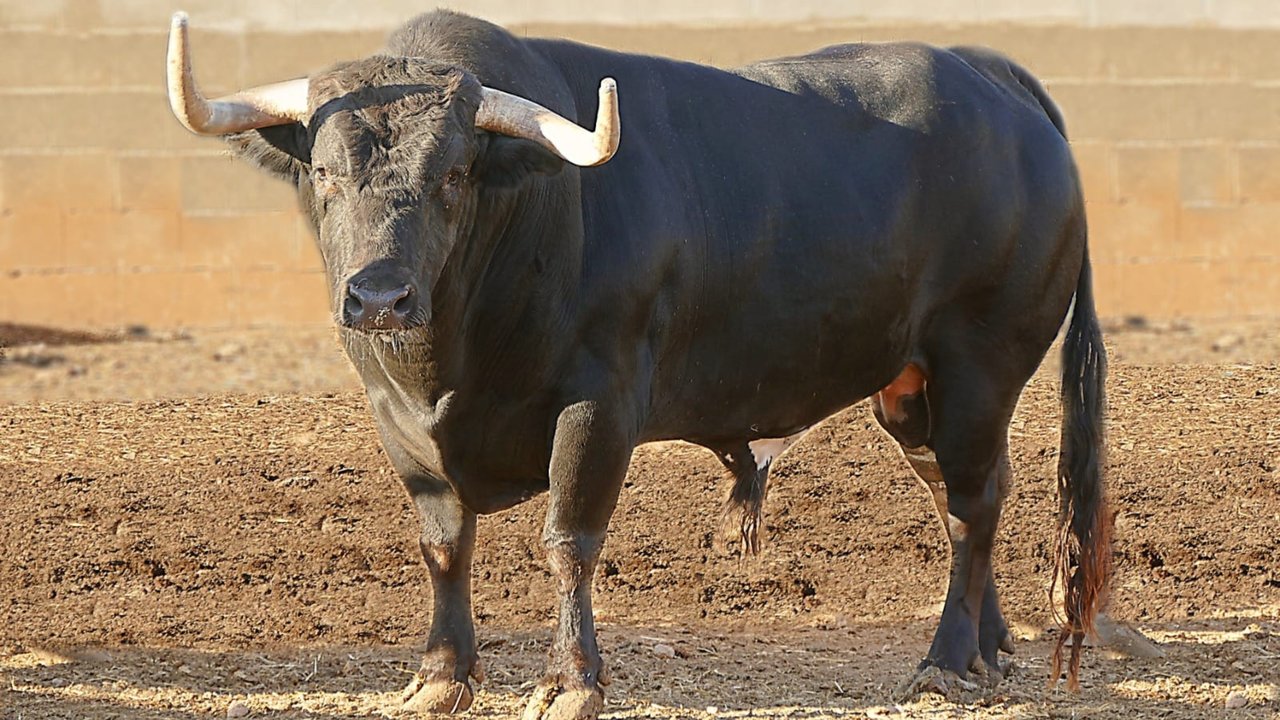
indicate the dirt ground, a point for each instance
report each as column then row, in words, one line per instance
column 201, row 522
column 40, row 364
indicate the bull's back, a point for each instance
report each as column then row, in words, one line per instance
column 785, row 228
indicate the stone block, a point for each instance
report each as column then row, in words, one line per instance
column 269, row 299
column 119, row 241
column 1132, row 232
column 1149, row 12
column 275, row 56
column 149, row 183
column 1245, row 233
column 1259, row 173
column 1207, row 175
column 32, row 239
column 36, row 58
column 222, row 184
column 73, row 181
column 1147, row 174
column 249, row 241
column 80, row 300
column 1096, row 163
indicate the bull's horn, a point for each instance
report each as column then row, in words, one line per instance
column 508, row 114
column 258, row 107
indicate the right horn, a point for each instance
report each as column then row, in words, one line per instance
column 264, row 106
column 512, row 115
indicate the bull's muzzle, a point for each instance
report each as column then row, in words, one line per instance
column 381, row 301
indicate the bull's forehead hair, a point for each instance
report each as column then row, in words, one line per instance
column 383, row 73
column 380, row 88
column 381, row 107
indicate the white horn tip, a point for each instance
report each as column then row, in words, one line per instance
column 179, row 20
column 608, row 85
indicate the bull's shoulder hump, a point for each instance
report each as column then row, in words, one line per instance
column 897, row 82
column 1003, row 73
column 906, row 83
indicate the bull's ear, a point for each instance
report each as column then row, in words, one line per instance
column 506, row 162
column 282, row 150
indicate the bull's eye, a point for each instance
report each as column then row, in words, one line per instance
column 450, row 188
column 322, row 182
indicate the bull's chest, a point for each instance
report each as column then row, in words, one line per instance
column 494, row 455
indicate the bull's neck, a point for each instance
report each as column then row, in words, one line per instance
column 502, row 307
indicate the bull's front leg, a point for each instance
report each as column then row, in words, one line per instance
column 447, row 540
column 588, row 463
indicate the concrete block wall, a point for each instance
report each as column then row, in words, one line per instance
column 111, row 214
column 346, row 15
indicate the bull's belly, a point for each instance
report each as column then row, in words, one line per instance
column 771, row 391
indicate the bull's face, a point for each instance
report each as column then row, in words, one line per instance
column 395, row 166
column 390, row 156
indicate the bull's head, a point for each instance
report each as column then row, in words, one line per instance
column 389, row 154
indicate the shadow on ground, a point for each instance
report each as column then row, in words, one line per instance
column 764, row 672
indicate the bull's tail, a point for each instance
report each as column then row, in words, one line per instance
column 1083, row 553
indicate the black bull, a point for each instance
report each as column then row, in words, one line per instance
column 770, row 245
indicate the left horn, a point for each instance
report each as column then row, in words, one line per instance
column 264, row 106
column 509, row 114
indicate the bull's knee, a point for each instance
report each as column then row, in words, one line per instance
column 902, row 408
column 445, row 537
column 441, row 557
column 572, row 560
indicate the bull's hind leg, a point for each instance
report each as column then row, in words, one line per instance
column 993, row 630
column 953, row 434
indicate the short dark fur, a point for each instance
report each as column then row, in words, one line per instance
column 769, row 246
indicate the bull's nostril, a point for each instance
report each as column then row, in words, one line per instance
column 404, row 305
column 352, row 305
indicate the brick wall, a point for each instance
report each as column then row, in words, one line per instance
column 110, row 213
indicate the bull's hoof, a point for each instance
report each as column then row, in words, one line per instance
column 978, row 686
column 437, row 696
column 551, row 701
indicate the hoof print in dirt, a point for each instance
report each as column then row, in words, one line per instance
column 979, row 687
column 551, row 702
column 437, row 696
